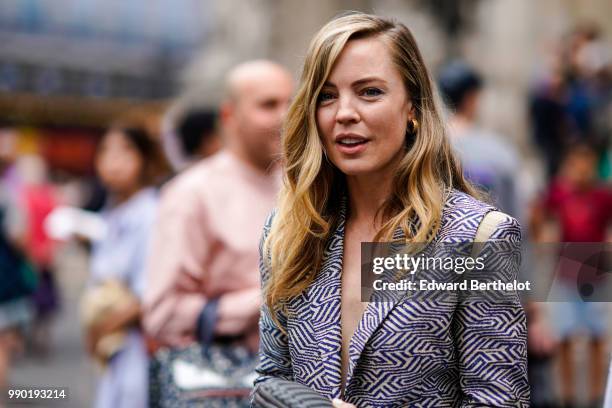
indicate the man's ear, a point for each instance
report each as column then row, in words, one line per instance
column 226, row 112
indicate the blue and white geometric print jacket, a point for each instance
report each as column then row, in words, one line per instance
column 404, row 353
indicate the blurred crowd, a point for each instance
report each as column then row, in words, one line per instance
column 172, row 219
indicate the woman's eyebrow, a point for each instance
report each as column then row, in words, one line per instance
column 367, row 80
column 358, row 82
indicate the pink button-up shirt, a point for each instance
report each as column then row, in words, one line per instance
column 206, row 246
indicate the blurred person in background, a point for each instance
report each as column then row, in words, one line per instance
column 198, row 135
column 488, row 160
column 589, row 75
column 189, row 134
column 586, row 60
column 608, row 396
column 10, row 177
column 491, row 162
column 203, row 270
column 37, row 199
column 572, row 101
column 17, row 280
column 583, row 210
column 128, row 163
column 548, row 116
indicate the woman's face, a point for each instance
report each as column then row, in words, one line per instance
column 363, row 109
column 118, row 163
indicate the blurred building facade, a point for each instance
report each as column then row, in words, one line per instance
column 67, row 67
column 504, row 40
column 79, row 62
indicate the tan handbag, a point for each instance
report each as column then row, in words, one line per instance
column 97, row 302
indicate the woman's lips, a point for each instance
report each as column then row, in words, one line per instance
column 351, row 145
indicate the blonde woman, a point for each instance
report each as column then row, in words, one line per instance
column 366, row 159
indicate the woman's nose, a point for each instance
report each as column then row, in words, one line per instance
column 346, row 111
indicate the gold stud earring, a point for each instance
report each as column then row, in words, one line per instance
column 413, row 126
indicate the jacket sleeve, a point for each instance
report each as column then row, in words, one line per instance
column 491, row 333
column 274, row 357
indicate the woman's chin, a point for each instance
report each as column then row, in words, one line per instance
column 356, row 170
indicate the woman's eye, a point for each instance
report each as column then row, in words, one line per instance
column 372, row 92
column 325, row 96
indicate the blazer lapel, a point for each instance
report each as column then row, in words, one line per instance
column 380, row 305
column 325, row 304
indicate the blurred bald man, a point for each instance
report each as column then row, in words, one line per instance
column 203, row 279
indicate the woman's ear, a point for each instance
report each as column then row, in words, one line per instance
column 411, row 110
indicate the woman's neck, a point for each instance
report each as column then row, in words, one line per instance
column 367, row 194
column 120, row 197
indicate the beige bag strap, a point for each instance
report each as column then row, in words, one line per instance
column 488, row 224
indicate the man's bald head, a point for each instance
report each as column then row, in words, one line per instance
column 257, row 98
column 247, row 74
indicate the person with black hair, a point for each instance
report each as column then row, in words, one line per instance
column 197, row 134
column 129, row 164
column 488, row 160
column 17, row 279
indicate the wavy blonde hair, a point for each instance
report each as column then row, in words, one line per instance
column 310, row 199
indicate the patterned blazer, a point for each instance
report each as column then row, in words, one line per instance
column 404, row 353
